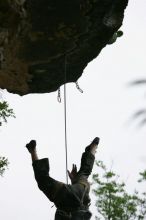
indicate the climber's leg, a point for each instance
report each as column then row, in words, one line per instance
column 88, row 158
column 48, row 185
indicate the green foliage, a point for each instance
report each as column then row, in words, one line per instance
column 143, row 176
column 112, row 200
column 119, row 33
column 141, row 113
column 5, row 112
column 3, row 165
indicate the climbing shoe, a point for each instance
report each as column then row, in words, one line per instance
column 94, row 142
column 31, row 146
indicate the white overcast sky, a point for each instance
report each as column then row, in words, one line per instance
column 103, row 110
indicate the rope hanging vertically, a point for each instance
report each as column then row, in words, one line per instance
column 65, row 117
column 65, row 112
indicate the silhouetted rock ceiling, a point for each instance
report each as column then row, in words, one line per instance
column 37, row 35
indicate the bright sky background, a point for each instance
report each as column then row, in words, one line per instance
column 104, row 110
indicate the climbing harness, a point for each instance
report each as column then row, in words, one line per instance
column 78, row 209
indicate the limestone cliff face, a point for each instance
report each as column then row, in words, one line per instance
column 36, row 37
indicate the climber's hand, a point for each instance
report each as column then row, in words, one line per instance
column 73, row 172
column 31, row 146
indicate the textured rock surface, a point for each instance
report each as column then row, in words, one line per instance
column 36, row 36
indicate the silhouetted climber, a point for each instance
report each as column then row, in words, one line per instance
column 72, row 201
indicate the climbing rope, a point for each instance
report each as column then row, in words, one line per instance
column 65, row 116
column 65, row 112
